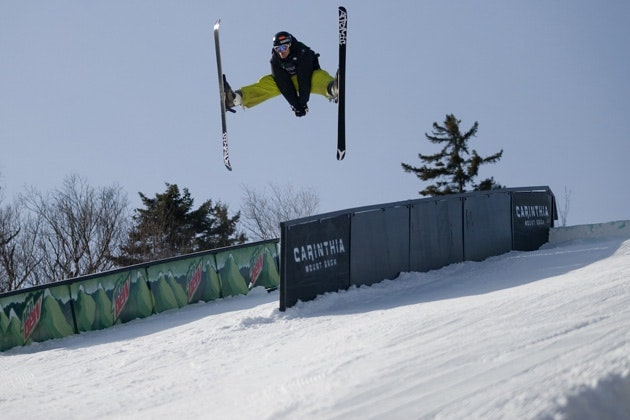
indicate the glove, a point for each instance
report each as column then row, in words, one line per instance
column 300, row 111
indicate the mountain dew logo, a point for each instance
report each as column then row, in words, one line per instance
column 256, row 270
column 194, row 282
column 121, row 296
column 31, row 316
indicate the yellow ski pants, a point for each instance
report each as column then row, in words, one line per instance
column 266, row 88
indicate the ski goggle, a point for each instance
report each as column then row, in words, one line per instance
column 281, row 48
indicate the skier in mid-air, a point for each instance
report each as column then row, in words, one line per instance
column 295, row 73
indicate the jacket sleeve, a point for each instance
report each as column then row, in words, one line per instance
column 305, row 68
column 283, row 80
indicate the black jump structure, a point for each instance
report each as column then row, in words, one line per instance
column 365, row 245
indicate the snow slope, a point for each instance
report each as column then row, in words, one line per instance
column 543, row 334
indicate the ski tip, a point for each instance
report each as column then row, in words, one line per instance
column 341, row 154
column 217, row 24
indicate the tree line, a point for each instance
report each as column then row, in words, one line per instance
column 77, row 229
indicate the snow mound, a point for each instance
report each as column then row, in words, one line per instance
column 607, row 399
column 527, row 335
column 600, row 230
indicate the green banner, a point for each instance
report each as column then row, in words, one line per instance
column 241, row 269
column 100, row 301
column 167, row 282
column 35, row 316
column 103, row 301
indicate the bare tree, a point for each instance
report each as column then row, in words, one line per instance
column 263, row 211
column 19, row 255
column 81, row 229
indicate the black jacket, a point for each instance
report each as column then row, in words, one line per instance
column 302, row 61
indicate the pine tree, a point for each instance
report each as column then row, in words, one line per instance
column 169, row 226
column 453, row 167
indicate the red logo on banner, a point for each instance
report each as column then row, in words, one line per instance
column 256, row 270
column 194, row 282
column 32, row 315
column 121, row 296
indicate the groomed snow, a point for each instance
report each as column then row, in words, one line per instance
column 543, row 334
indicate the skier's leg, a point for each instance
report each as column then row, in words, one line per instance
column 320, row 81
column 258, row 92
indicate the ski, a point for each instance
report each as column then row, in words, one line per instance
column 341, row 84
column 224, row 137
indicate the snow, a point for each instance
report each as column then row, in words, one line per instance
column 542, row 334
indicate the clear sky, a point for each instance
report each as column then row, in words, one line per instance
column 126, row 92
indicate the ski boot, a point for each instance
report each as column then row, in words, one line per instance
column 231, row 98
column 333, row 89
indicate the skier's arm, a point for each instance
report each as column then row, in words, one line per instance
column 283, row 80
column 305, row 74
